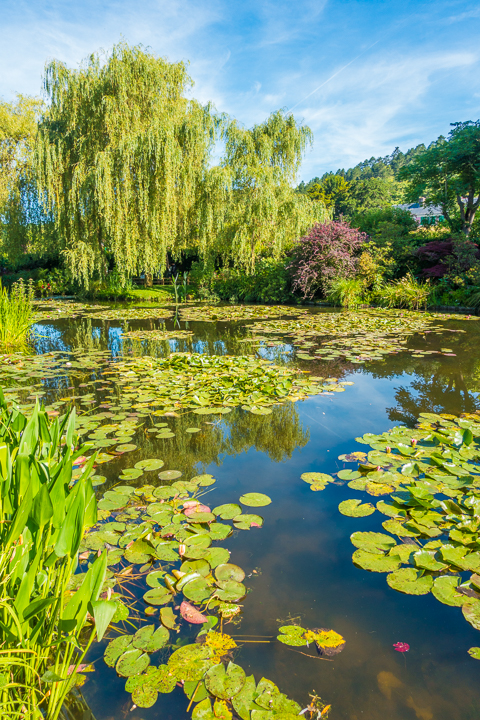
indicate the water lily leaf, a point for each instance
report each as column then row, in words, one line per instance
column 131, row 473
column 225, row 683
column 243, row 701
column 316, row 478
column 165, row 551
column 149, row 465
column 266, row 693
column 219, row 531
column 292, row 635
column 246, row 521
column 354, row 508
column 139, row 553
column 216, row 556
column 474, row 652
column 159, row 678
column 358, row 484
column 471, row 612
column 191, row 662
column 169, row 475
column 228, row 511
column 201, row 692
column 410, row 581
column 154, row 579
column 426, row 559
column 168, row 618
column 121, row 613
column 116, row 648
column 444, row 590
column 230, row 590
column 255, row 500
column 197, row 590
column 191, row 614
column 348, row 474
column 372, row 541
column 157, row 596
column 390, row 510
column 202, row 567
column 200, row 517
column 229, row 571
column 375, row 562
column 403, row 552
column 192, row 430
column 376, row 488
column 127, row 447
column 203, row 711
column 149, row 639
column 132, row 662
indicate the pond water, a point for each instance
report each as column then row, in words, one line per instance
column 299, row 564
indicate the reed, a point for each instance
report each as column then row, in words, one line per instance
column 16, row 314
column 404, row 293
column 43, row 517
column 348, row 292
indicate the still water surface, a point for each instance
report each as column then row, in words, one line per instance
column 302, row 555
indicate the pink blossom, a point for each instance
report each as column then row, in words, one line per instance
column 401, row 647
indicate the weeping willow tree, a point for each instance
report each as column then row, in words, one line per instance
column 121, row 153
column 264, row 214
column 123, row 158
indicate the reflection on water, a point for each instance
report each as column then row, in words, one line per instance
column 303, row 553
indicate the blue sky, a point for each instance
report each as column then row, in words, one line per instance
column 365, row 75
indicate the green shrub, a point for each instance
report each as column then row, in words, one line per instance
column 16, row 315
column 269, row 283
column 404, row 293
column 348, row 292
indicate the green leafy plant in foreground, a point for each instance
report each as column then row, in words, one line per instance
column 404, row 293
column 347, row 292
column 43, row 519
column 431, row 477
column 16, row 314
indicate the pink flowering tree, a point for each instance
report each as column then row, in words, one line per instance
column 327, row 253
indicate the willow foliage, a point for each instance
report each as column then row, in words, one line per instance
column 123, row 157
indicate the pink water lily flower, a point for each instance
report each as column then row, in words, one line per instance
column 401, row 647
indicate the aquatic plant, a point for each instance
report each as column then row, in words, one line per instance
column 16, row 315
column 404, row 293
column 43, row 519
column 228, row 313
column 431, row 475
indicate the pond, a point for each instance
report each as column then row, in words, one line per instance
column 298, row 565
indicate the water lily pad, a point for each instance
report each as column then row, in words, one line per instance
column 230, row 590
column 149, row 639
column 191, row 614
column 203, row 711
column 247, row 521
column 139, row 553
column 255, row 500
column 471, row 612
column 132, row 662
column 126, row 447
column 316, row 478
column 169, row 474
column 444, row 590
column 116, row 648
column 131, row 473
column 197, row 590
column 243, row 701
column 228, row 511
column 410, row 581
column 292, row 635
column 375, row 562
column 225, row 683
column 216, row 556
column 157, row 596
column 354, row 508
column 218, row 531
column 191, row 662
column 201, row 517
column 474, row 652
column 228, row 571
column 149, row 465
column 155, row 579
column 168, row 618
column 372, row 541
column 192, row 430
column 165, row 551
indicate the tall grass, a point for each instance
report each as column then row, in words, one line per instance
column 404, row 293
column 43, row 518
column 16, row 314
column 347, row 292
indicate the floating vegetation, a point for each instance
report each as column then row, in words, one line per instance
column 138, row 313
column 327, row 642
column 57, row 309
column 158, row 334
column 170, row 533
column 210, row 383
column 227, row 313
column 432, row 476
column 356, row 336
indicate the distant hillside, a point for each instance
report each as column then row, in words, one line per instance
column 385, row 168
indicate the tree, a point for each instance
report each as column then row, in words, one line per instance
column 448, row 174
column 263, row 214
column 121, row 153
column 332, row 191
column 21, row 218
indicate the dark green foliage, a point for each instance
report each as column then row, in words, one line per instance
column 270, row 282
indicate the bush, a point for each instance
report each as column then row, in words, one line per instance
column 404, row 293
column 16, row 315
column 269, row 283
column 348, row 292
column 326, row 254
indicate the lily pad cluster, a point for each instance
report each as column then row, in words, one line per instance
column 355, row 336
column 327, row 642
column 169, row 532
column 431, row 475
column 208, row 383
column 158, row 334
column 227, row 313
column 135, row 313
